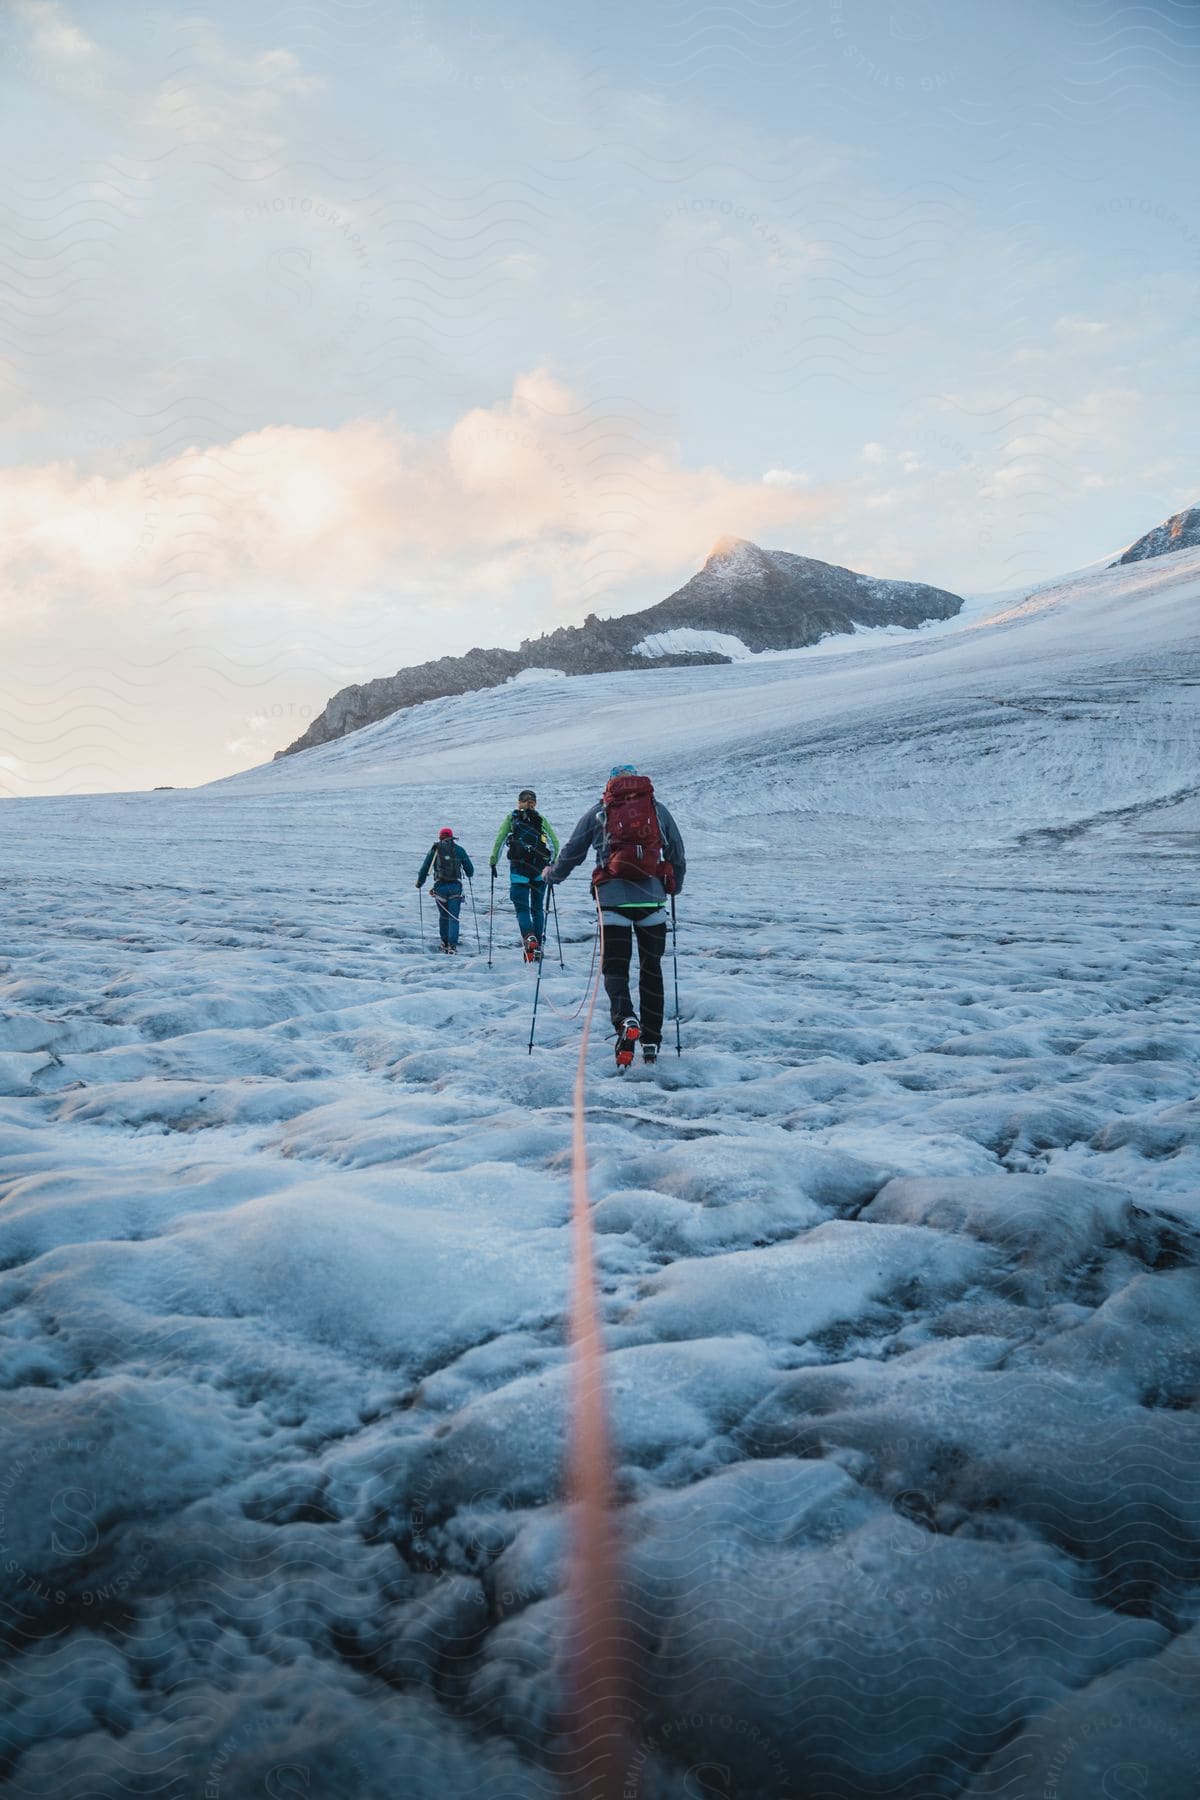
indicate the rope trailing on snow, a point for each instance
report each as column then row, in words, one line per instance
column 561, row 1011
column 598, row 1663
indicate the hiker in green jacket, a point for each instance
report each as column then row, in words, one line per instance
column 532, row 843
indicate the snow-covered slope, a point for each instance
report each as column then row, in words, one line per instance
column 686, row 638
column 900, row 1259
column 1038, row 710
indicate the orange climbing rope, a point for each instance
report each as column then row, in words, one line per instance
column 598, row 1660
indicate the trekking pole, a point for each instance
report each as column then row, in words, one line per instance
column 421, row 911
column 557, row 932
column 474, row 915
column 536, row 991
column 675, row 961
column 491, row 916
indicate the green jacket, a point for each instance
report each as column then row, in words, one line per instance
column 549, row 837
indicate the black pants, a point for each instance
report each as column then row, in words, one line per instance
column 618, row 954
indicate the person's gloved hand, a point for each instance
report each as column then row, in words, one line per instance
column 492, row 867
column 420, row 884
column 668, row 879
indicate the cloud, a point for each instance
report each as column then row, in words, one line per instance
column 873, row 453
column 229, row 100
column 1081, row 328
column 52, row 34
column 541, row 487
column 786, row 478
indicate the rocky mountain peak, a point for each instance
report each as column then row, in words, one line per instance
column 1180, row 532
column 764, row 600
column 737, row 558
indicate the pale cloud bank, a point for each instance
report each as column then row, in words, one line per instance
column 52, row 33
column 527, row 489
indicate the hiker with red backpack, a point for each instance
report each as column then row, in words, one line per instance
column 639, row 864
column 532, row 843
column 448, row 861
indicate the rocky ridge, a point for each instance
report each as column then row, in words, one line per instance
column 1180, row 532
column 771, row 600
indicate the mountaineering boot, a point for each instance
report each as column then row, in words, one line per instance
column 532, row 950
column 649, row 1053
column 451, row 949
column 627, row 1037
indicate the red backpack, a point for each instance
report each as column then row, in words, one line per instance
column 631, row 846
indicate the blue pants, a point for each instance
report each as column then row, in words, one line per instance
column 448, row 895
column 529, row 899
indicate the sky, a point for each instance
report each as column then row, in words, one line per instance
column 337, row 338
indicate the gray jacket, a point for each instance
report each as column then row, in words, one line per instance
column 619, row 891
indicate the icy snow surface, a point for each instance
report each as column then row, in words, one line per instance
column 688, row 637
column 899, row 1259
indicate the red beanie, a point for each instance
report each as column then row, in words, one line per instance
column 445, row 832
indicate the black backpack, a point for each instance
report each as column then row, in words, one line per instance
column 445, row 860
column 526, row 851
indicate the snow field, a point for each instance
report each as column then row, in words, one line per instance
column 899, row 1276
column 898, row 1261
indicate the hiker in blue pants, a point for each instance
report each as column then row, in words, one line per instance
column 532, row 843
column 449, row 862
